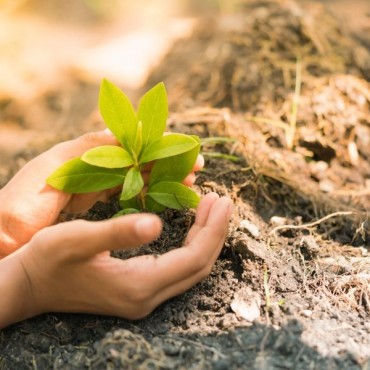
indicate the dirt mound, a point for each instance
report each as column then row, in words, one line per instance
column 248, row 60
column 297, row 83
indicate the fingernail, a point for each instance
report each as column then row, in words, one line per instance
column 108, row 132
column 200, row 161
column 144, row 225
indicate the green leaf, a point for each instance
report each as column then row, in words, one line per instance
column 133, row 184
column 173, row 195
column 118, row 113
column 76, row 176
column 153, row 113
column 138, row 139
column 152, row 206
column 108, row 156
column 167, row 146
column 174, row 168
column 126, row 211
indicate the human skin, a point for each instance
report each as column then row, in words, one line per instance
column 67, row 267
column 28, row 204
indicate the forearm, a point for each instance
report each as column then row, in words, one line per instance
column 16, row 302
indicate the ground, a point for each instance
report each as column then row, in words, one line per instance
column 284, row 91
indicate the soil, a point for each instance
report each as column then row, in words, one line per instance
column 291, row 289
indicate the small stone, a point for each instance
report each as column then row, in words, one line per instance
column 307, row 313
column 318, row 169
column 247, row 226
column 278, row 221
column 326, row 186
column 309, row 247
column 171, row 349
column 249, row 248
column 246, row 304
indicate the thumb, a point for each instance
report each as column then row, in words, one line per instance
column 83, row 239
column 76, row 147
column 43, row 165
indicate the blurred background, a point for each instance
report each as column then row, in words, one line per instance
column 53, row 55
column 41, row 42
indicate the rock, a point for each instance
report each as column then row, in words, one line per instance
column 250, row 248
column 309, row 247
column 278, row 221
column 318, row 169
column 326, row 186
column 246, row 304
column 307, row 313
column 247, row 226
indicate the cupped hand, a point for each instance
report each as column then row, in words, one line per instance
column 66, row 267
column 28, row 204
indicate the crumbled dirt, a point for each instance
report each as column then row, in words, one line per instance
column 297, row 256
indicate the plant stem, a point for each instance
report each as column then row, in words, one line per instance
column 141, row 198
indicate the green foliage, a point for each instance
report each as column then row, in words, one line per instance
column 76, row 176
column 173, row 195
column 142, row 139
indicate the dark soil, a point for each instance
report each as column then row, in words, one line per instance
column 291, row 289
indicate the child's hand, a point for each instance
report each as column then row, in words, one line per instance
column 28, row 204
column 66, row 268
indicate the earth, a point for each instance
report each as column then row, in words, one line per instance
column 279, row 93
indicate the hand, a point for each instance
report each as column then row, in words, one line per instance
column 28, row 204
column 66, row 268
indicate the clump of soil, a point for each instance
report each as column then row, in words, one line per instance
column 249, row 60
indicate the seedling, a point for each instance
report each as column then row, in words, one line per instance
column 142, row 139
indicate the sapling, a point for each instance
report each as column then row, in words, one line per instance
column 142, row 141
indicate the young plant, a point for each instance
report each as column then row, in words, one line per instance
column 142, row 139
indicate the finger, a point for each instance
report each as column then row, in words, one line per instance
column 84, row 239
column 203, row 261
column 42, row 166
column 199, row 163
column 202, row 214
column 189, row 179
column 179, row 269
column 76, row 147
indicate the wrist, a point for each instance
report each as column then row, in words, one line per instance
column 17, row 302
column 7, row 244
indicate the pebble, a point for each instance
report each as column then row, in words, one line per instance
column 326, row 186
column 250, row 228
column 249, row 248
column 246, row 304
column 278, row 221
column 309, row 247
column 307, row 313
